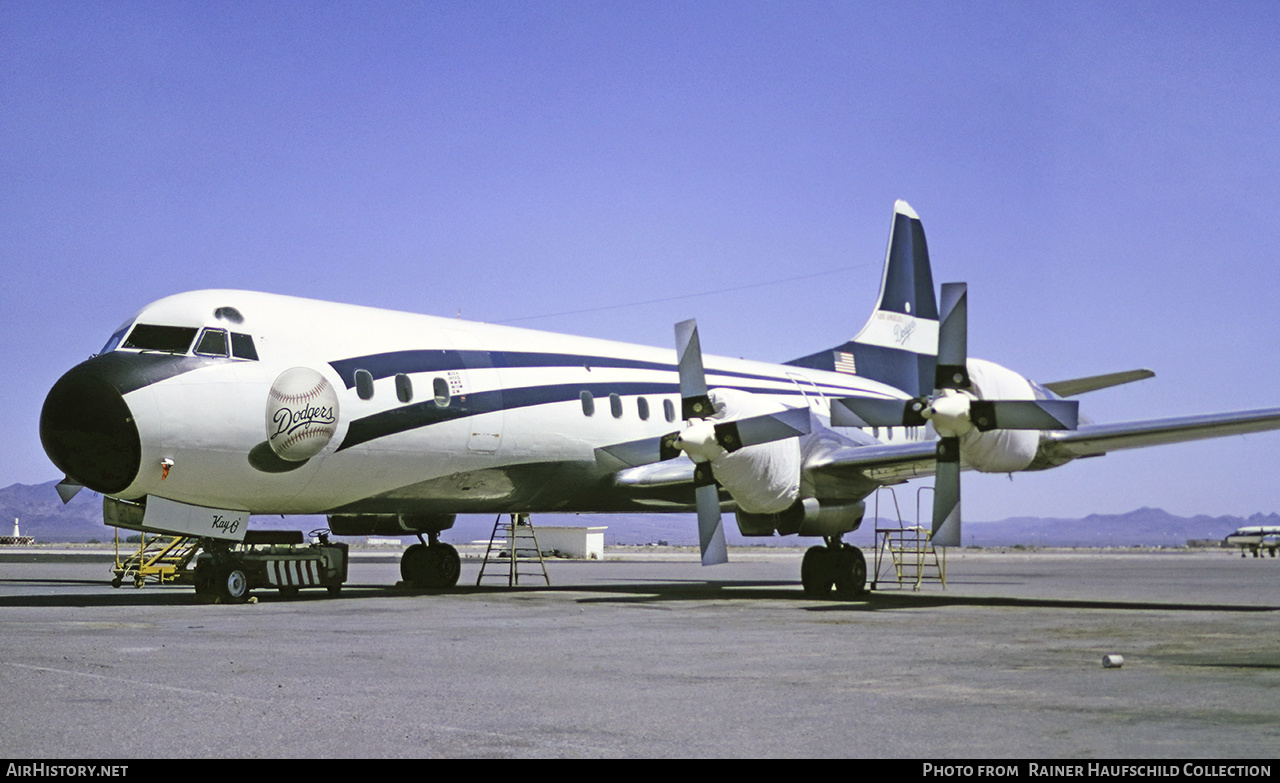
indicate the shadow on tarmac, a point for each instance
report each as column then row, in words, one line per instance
column 632, row 592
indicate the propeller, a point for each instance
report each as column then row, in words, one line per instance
column 954, row 410
column 697, row 441
column 703, row 440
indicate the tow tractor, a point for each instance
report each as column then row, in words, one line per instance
column 226, row 572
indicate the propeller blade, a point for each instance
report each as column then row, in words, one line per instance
column 946, row 494
column 710, row 525
column 953, row 338
column 733, row 435
column 68, row 489
column 635, row 453
column 693, row 379
column 863, row 412
column 1025, row 414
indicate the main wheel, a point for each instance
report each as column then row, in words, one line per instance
column 432, row 566
column 850, row 571
column 413, row 564
column 817, row 572
column 446, row 565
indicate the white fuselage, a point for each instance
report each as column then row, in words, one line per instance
column 513, row 432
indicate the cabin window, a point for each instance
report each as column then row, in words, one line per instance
column 669, row 410
column 169, row 339
column 242, row 347
column 615, row 406
column 404, row 388
column 364, row 384
column 642, row 407
column 213, row 342
column 440, row 387
column 588, row 403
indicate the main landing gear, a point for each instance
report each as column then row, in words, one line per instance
column 837, row 565
column 433, row 565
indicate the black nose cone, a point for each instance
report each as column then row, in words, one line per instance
column 87, row 429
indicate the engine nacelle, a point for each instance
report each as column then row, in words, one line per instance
column 999, row 451
column 764, row 478
column 389, row 524
column 805, row 517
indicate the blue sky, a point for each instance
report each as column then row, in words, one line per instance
column 1106, row 177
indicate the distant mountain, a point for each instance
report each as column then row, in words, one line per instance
column 1143, row 527
column 43, row 516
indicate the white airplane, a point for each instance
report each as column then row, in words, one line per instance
column 1256, row 539
column 208, row 406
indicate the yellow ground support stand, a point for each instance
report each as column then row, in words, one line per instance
column 908, row 550
column 161, row 559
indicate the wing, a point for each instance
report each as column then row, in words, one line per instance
column 1091, row 440
column 886, row 463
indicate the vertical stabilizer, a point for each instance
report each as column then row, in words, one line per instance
column 899, row 343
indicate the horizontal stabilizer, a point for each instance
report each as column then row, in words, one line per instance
column 1070, row 388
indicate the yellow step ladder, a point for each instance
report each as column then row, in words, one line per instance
column 908, row 550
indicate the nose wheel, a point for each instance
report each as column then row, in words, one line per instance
column 837, row 566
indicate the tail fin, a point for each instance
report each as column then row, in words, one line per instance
column 899, row 343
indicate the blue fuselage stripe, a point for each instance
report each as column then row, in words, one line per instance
column 385, row 365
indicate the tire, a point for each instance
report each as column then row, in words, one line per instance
column 433, row 566
column 850, row 572
column 204, row 581
column 233, row 585
column 413, row 564
column 817, row 572
column 447, row 566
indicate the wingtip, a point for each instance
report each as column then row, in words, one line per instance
column 903, row 208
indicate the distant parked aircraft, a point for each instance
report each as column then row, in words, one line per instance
column 1255, row 538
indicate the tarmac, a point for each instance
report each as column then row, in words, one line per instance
column 647, row 654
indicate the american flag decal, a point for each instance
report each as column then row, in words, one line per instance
column 844, row 362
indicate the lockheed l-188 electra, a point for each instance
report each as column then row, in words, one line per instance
column 209, row 406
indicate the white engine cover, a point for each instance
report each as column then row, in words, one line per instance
column 765, row 478
column 999, row 451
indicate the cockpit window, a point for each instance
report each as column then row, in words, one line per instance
column 170, row 339
column 242, row 347
column 212, row 343
column 114, row 342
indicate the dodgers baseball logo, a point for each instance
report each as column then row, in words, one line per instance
column 302, row 414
